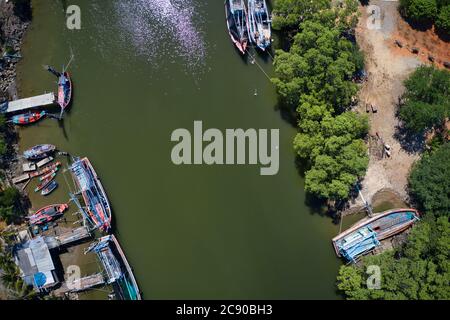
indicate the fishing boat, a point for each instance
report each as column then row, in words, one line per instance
column 259, row 24
column 117, row 269
column 237, row 23
column 366, row 235
column 49, row 188
column 39, row 152
column 45, row 182
column 97, row 210
column 64, row 90
column 28, row 118
column 48, row 214
column 49, row 174
column 45, row 170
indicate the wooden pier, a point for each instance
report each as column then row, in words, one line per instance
column 82, row 284
column 30, row 103
column 73, row 236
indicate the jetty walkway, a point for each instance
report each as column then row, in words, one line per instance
column 28, row 103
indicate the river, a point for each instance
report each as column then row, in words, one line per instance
column 142, row 69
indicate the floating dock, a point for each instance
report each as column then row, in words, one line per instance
column 73, row 236
column 29, row 103
column 81, row 284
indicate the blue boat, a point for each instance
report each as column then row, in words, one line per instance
column 49, row 188
column 366, row 235
column 39, row 152
column 117, row 269
column 260, row 25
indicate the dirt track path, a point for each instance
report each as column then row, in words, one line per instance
column 386, row 73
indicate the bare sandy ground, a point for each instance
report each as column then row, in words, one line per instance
column 386, row 72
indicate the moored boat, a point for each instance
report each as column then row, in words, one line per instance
column 45, row 170
column 45, row 182
column 28, row 118
column 237, row 23
column 49, row 188
column 64, row 90
column 49, row 174
column 366, row 235
column 48, row 214
column 117, row 269
column 39, row 152
column 98, row 209
column 259, row 24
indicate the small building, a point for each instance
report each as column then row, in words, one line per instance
column 36, row 264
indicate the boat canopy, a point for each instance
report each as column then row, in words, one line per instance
column 357, row 243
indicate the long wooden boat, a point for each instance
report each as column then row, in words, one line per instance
column 49, row 188
column 28, row 118
column 45, row 170
column 98, row 209
column 260, row 25
column 117, row 269
column 64, row 90
column 45, row 182
column 39, row 152
column 237, row 23
column 48, row 214
column 48, row 175
column 366, row 235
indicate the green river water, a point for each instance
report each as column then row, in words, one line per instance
column 190, row 232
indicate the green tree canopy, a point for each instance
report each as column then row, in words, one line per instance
column 420, row 10
column 429, row 182
column 419, row 270
column 427, row 99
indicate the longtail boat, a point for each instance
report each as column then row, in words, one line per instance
column 45, row 170
column 366, row 235
column 45, row 182
column 259, row 24
column 28, row 118
column 39, row 152
column 49, row 188
column 64, row 90
column 98, row 210
column 237, row 23
column 49, row 174
column 117, row 269
column 48, row 214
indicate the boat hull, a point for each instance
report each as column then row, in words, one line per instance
column 65, row 90
column 237, row 24
column 48, row 214
column 94, row 195
column 259, row 26
column 39, row 152
column 28, row 118
column 383, row 226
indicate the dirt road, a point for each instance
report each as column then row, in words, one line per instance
column 386, row 72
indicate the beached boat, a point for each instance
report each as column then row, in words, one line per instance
column 49, row 174
column 28, row 118
column 366, row 235
column 45, row 182
column 39, row 152
column 64, row 90
column 117, row 269
column 49, row 188
column 259, row 24
column 237, row 23
column 97, row 210
column 45, row 170
column 48, row 214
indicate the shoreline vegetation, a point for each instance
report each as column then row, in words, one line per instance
column 315, row 75
column 316, row 80
column 15, row 18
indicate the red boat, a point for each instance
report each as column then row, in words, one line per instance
column 45, row 170
column 48, row 214
column 28, row 118
column 64, row 90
